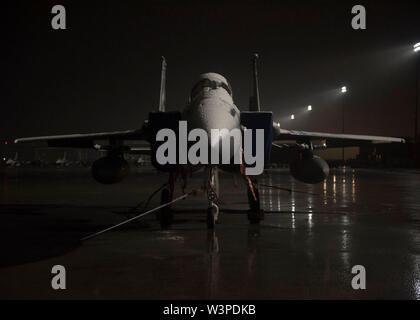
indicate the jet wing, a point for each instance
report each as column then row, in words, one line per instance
column 331, row 139
column 87, row 140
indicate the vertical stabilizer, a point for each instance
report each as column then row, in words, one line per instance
column 162, row 97
column 254, row 100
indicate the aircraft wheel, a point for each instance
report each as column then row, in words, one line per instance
column 211, row 217
column 255, row 213
column 255, row 216
column 165, row 215
column 254, row 205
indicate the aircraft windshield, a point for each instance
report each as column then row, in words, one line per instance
column 210, row 84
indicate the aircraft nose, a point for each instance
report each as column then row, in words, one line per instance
column 211, row 114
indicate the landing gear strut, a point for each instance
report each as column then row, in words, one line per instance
column 213, row 197
column 165, row 214
column 255, row 213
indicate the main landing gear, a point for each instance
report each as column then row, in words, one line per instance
column 255, row 213
column 165, row 215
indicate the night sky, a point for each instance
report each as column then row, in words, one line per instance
column 102, row 73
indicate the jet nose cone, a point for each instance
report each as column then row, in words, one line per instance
column 211, row 114
column 219, row 121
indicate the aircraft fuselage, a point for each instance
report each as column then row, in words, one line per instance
column 211, row 107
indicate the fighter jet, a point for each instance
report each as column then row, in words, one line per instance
column 210, row 106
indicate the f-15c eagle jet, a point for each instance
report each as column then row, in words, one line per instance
column 210, row 107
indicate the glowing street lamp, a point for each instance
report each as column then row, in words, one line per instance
column 309, row 108
column 343, row 90
column 292, row 117
column 416, row 49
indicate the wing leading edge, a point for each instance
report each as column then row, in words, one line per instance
column 85, row 140
column 332, row 139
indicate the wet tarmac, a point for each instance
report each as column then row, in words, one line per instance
column 304, row 249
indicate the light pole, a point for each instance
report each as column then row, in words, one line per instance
column 416, row 49
column 343, row 91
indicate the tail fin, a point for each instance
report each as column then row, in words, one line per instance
column 254, row 100
column 162, row 98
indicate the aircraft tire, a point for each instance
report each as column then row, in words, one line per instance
column 255, row 214
column 210, row 218
column 165, row 215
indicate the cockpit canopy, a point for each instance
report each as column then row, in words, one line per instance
column 212, row 81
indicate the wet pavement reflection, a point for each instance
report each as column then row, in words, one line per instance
column 304, row 249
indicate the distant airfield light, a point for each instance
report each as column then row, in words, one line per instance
column 5, row 141
column 343, row 89
column 309, row 108
column 292, row 117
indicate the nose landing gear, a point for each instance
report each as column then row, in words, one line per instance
column 212, row 215
column 213, row 197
